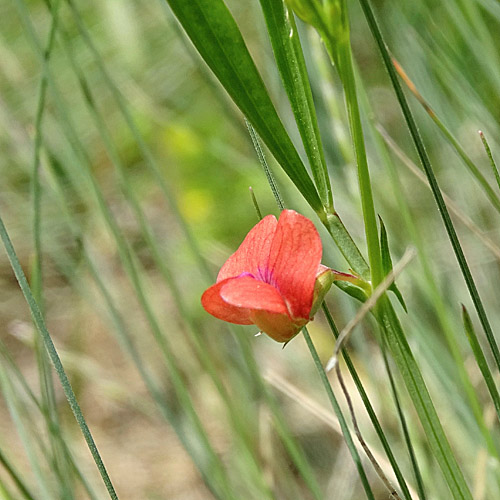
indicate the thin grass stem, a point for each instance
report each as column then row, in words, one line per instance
column 490, row 157
column 450, row 229
column 56, row 361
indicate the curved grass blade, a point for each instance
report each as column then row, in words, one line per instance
column 16, row 477
column 213, row 31
column 369, row 407
column 54, row 357
column 435, row 293
column 450, row 229
column 407, row 365
column 404, row 427
column 61, row 464
column 473, row 169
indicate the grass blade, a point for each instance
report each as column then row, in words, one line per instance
column 216, row 36
column 474, row 170
column 289, row 57
column 54, row 357
column 340, row 416
column 490, row 157
column 450, row 229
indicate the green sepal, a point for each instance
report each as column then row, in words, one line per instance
column 352, row 290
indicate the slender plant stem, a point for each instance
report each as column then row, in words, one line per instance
column 347, row 75
column 424, row 158
column 361, row 440
column 369, row 407
column 56, row 361
column 404, row 427
column 16, row 477
column 490, row 157
column 338, row 412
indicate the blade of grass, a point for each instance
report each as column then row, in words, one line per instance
column 415, row 384
column 54, row 357
column 369, row 407
column 450, row 229
column 16, row 477
column 479, row 355
column 219, row 475
column 149, row 159
column 404, row 427
column 437, row 297
column 336, row 408
column 198, row 341
column 216, row 36
column 45, row 374
column 490, row 157
column 292, row 67
column 474, row 170
column 450, row 203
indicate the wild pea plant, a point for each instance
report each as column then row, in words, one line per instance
column 383, row 155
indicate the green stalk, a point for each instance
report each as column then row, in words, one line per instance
column 338, row 412
column 490, row 157
column 437, row 297
column 415, row 384
column 54, row 357
column 450, row 229
column 45, row 373
column 473, row 169
column 342, row 50
column 16, row 477
column 404, row 427
column 369, row 407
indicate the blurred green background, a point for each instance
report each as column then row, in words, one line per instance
column 133, row 118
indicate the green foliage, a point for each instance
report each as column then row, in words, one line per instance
column 125, row 181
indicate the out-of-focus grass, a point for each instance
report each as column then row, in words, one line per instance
column 150, row 442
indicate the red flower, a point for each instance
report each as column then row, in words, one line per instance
column 270, row 280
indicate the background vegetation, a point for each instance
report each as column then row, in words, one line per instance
column 125, row 174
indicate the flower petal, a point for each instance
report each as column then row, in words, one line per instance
column 279, row 327
column 266, row 306
column 251, row 294
column 253, row 253
column 213, row 303
column 294, row 258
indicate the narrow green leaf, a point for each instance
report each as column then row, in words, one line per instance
column 369, row 407
column 436, row 191
column 292, row 67
column 490, row 157
column 336, row 408
column 54, row 357
column 17, row 479
column 473, row 169
column 480, row 358
column 213, row 31
column 387, row 262
column 404, row 427
column 415, row 384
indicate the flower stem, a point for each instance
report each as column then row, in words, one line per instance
column 346, row 71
